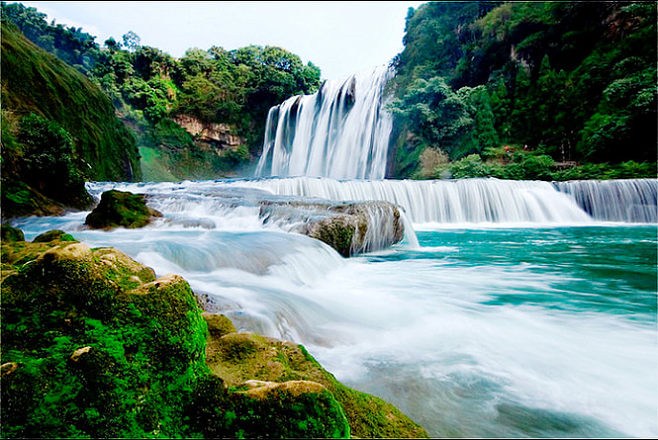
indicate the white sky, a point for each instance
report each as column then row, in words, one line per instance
column 339, row 37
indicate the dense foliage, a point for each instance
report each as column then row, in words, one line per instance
column 151, row 90
column 58, row 129
column 572, row 81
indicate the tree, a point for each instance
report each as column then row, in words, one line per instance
column 48, row 158
column 131, row 41
column 435, row 113
column 112, row 45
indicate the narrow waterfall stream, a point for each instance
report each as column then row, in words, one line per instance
column 516, row 309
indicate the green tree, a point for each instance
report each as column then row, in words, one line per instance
column 131, row 41
column 48, row 159
column 435, row 113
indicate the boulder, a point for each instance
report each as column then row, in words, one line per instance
column 121, row 209
column 9, row 233
column 350, row 228
column 55, row 234
column 262, row 367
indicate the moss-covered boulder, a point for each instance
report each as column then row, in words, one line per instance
column 243, row 360
column 9, row 233
column 93, row 345
column 121, row 209
column 102, row 349
column 55, row 234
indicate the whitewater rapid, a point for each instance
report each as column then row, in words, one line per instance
column 479, row 329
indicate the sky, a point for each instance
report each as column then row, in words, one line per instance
column 339, row 37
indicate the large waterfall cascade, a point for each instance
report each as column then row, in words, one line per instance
column 342, row 131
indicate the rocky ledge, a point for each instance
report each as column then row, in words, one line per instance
column 350, row 228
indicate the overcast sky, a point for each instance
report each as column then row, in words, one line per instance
column 339, row 37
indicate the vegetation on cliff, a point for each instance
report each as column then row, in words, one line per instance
column 564, row 83
column 58, row 129
column 157, row 96
column 95, row 346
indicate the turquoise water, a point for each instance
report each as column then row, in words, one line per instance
column 479, row 332
column 521, row 332
column 594, row 269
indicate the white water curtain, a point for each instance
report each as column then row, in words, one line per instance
column 342, row 131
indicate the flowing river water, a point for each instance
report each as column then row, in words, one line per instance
column 514, row 309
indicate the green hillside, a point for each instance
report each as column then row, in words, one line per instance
column 553, row 89
column 34, row 81
column 58, row 130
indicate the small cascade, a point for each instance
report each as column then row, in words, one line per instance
column 632, row 200
column 238, row 207
column 372, row 225
column 342, row 131
column 445, row 201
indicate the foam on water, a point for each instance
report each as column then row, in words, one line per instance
column 472, row 331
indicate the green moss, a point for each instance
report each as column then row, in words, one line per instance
column 218, row 325
column 147, row 347
column 55, row 234
column 119, row 208
column 337, row 234
column 10, row 233
column 281, row 412
column 268, row 359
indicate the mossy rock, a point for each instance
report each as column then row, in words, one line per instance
column 121, row 209
column 9, row 233
column 295, row 409
column 93, row 345
column 349, row 228
column 140, row 344
column 239, row 358
column 218, row 325
column 55, row 234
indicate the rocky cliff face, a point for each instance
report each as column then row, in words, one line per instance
column 213, row 135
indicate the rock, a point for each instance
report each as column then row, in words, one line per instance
column 55, row 234
column 119, row 208
column 78, row 252
column 146, row 345
column 350, row 228
column 263, row 365
column 9, row 233
column 218, row 325
column 7, row 368
column 260, row 389
column 218, row 135
column 75, row 357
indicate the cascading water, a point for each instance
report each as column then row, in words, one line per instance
column 488, row 200
column 342, row 131
column 632, row 200
column 510, row 332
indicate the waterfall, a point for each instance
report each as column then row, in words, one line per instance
column 446, row 201
column 488, row 200
column 342, row 131
column 632, row 200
